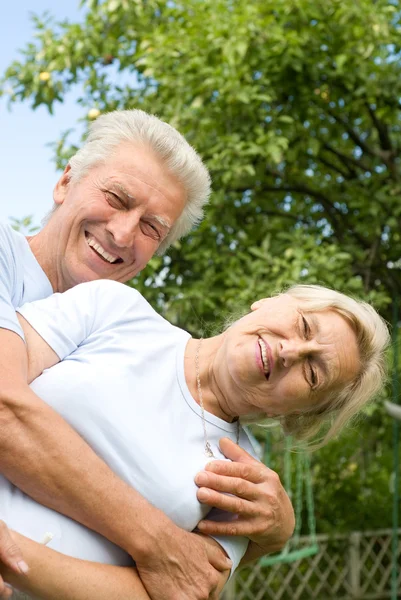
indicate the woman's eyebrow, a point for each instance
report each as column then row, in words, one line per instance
column 316, row 330
column 315, row 323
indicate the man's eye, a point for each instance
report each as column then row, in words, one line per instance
column 151, row 230
column 113, row 199
column 306, row 328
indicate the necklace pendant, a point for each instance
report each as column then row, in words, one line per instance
column 208, row 450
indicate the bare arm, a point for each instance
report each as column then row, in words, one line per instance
column 42, row 455
column 54, row 575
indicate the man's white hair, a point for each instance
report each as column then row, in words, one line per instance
column 138, row 127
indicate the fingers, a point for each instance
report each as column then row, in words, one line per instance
column 5, row 590
column 218, row 559
column 232, row 504
column 234, row 452
column 229, row 485
column 255, row 473
column 223, row 527
column 10, row 554
column 216, row 555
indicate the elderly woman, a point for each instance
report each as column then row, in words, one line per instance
column 307, row 356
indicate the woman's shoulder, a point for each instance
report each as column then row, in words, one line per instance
column 107, row 288
column 111, row 298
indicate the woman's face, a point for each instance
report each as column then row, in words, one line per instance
column 280, row 359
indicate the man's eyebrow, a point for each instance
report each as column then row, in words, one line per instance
column 163, row 222
column 123, row 190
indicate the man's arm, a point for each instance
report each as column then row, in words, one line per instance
column 54, row 575
column 256, row 495
column 42, row 455
column 11, row 556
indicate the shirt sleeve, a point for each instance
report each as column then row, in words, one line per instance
column 65, row 321
column 8, row 284
column 236, row 546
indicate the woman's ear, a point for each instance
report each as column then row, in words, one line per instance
column 258, row 303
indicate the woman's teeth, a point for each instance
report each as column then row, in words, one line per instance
column 100, row 250
column 266, row 367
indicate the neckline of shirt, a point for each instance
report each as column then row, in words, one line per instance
column 32, row 259
column 191, row 402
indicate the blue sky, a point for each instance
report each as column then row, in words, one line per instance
column 27, row 173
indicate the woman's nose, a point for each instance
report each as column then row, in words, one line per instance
column 291, row 351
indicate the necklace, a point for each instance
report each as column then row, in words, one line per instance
column 208, row 449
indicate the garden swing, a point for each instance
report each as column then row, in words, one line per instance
column 394, row 410
column 296, row 471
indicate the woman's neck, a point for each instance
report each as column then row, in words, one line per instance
column 203, row 353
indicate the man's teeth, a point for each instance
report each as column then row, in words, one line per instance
column 96, row 246
column 266, row 366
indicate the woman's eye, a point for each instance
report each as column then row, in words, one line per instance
column 306, row 328
column 313, row 376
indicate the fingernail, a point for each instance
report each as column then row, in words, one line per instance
column 23, row 567
column 201, row 478
column 203, row 494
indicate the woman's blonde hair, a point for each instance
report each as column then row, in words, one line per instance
column 372, row 336
column 340, row 406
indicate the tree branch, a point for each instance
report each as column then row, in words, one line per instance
column 346, row 160
column 356, row 138
column 346, row 175
column 387, row 149
column 308, row 191
column 382, row 130
column 337, row 218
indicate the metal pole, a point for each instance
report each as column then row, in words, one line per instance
column 396, row 441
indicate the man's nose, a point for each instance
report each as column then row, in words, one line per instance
column 123, row 228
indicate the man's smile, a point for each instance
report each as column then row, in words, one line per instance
column 100, row 251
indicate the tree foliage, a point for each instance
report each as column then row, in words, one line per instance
column 294, row 106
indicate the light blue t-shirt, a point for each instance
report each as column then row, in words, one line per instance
column 121, row 385
column 22, row 279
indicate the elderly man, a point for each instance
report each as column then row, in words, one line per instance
column 133, row 189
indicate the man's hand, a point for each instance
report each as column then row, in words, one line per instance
column 184, row 566
column 11, row 557
column 265, row 513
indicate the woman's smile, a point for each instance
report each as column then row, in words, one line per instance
column 264, row 357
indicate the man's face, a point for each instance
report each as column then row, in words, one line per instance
column 111, row 222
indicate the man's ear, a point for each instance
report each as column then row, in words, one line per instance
column 258, row 303
column 61, row 187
